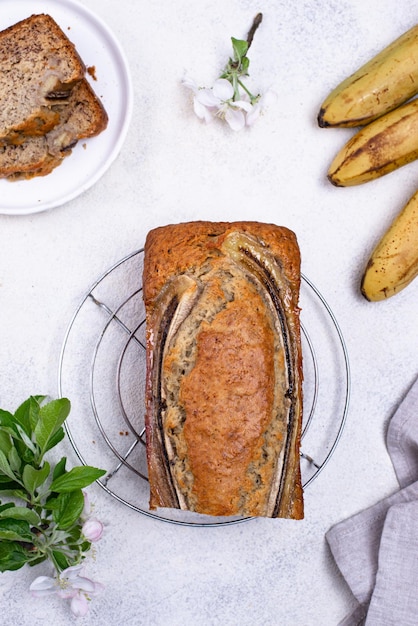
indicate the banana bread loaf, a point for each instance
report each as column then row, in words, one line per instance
column 224, row 369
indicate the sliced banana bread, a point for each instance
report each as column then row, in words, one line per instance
column 84, row 116
column 38, row 67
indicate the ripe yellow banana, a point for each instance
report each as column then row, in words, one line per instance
column 386, row 81
column 379, row 148
column 394, row 262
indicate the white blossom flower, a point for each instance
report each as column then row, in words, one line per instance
column 218, row 102
column 233, row 111
column 80, row 604
column 202, row 111
column 229, row 98
column 92, row 529
column 69, row 584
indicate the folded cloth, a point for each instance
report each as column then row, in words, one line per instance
column 377, row 549
column 402, row 438
column 395, row 599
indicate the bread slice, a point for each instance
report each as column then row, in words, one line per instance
column 82, row 117
column 224, row 369
column 38, row 67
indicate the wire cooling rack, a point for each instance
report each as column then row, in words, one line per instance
column 102, row 372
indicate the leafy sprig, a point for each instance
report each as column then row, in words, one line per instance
column 42, row 518
column 237, row 68
column 229, row 98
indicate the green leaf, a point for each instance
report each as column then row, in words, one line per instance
column 27, row 414
column 12, row 556
column 240, row 48
column 21, row 513
column 59, row 469
column 5, row 466
column 14, row 492
column 11, row 488
column 55, row 439
column 76, row 478
column 60, row 559
column 4, row 479
column 34, row 410
column 26, row 440
column 40, row 559
column 15, row 530
column 245, row 64
column 51, row 503
column 12, row 431
column 5, row 506
column 33, row 478
column 70, row 507
column 6, row 419
column 5, row 442
column 51, row 418
column 14, row 460
column 74, row 535
column 27, row 456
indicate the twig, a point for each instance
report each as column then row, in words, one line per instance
column 256, row 23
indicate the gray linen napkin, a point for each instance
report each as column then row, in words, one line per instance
column 377, row 549
column 402, row 438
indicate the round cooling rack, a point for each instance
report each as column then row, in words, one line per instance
column 102, row 371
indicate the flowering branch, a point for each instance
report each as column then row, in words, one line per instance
column 47, row 517
column 225, row 100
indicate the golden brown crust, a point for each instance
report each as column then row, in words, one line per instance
column 235, row 414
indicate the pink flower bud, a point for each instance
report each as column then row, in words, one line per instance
column 92, row 529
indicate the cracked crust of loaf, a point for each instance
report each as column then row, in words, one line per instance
column 38, row 65
column 220, row 423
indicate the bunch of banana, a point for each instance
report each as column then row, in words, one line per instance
column 386, row 81
column 394, row 262
column 378, row 98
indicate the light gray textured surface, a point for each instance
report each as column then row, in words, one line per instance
column 173, row 168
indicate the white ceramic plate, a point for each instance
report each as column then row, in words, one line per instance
column 90, row 159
